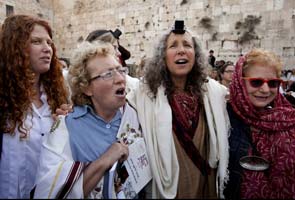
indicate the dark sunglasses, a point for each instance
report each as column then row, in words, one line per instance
column 258, row 82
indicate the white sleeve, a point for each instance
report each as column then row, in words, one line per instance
column 58, row 175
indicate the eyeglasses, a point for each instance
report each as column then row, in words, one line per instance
column 111, row 73
column 258, row 82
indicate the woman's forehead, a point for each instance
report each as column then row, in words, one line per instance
column 186, row 36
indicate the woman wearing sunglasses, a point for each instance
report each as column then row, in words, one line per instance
column 262, row 140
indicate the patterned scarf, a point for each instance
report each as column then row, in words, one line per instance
column 185, row 113
column 273, row 135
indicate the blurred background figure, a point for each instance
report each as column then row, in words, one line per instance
column 225, row 73
column 211, row 58
column 112, row 37
column 213, row 73
column 65, row 62
column 125, row 54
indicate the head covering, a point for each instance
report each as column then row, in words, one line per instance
column 281, row 117
column 95, row 34
column 273, row 136
column 178, row 27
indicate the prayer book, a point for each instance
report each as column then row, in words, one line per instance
column 127, row 179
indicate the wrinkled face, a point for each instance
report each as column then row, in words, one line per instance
column 228, row 73
column 107, row 94
column 40, row 49
column 180, row 55
column 260, row 97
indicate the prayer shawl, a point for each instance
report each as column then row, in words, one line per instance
column 155, row 116
column 59, row 176
column 273, row 134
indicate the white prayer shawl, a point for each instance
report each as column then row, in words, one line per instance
column 59, row 176
column 155, row 116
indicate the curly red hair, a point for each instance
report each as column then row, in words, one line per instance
column 17, row 77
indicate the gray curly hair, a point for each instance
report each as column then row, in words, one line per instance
column 157, row 72
column 79, row 77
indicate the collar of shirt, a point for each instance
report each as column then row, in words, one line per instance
column 80, row 111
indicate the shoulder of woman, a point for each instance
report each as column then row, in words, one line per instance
column 215, row 85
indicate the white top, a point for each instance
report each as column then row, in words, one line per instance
column 155, row 116
column 20, row 157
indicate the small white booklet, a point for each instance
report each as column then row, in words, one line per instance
column 133, row 174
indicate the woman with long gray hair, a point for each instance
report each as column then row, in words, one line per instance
column 184, row 119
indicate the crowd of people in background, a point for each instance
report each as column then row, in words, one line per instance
column 212, row 128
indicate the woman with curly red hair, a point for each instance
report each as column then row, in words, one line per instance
column 31, row 88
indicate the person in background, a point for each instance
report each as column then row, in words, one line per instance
column 219, row 63
column 83, row 144
column 290, row 94
column 211, row 58
column 225, row 73
column 184, row 121
column 31, row 88
column 125, row 54
column 112, row 37
column 262, row 139
column 65, row 62
column 213, row 73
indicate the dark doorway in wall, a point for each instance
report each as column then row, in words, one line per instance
column 9, row 10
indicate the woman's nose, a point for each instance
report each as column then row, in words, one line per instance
column 46, row 47
column 180, row 50
column 265, row 87
column 118, row 77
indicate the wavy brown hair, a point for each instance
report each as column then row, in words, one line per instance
column 157, row 72
column 17, row 77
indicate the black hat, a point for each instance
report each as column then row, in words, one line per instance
column 95, row 34
column 116, row 33
column 178, row 27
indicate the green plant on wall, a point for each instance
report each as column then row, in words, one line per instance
column 247, row 28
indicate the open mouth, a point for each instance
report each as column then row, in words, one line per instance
column 181, row 61
column 120, row 91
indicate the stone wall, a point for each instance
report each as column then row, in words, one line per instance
column 230, row 27
column 41, row 8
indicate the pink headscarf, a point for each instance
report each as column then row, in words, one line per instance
column 274, row 138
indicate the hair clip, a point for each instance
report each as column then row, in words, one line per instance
column 116, row 33
column 178, row 27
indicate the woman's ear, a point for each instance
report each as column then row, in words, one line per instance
column 87, row 91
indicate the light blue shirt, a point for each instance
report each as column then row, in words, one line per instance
column 90, row 135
